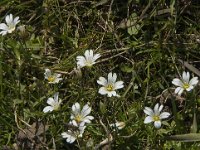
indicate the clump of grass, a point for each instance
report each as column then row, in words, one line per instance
column 146, row 43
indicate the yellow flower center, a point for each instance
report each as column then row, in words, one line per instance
column 78, row 118
column 51, row 79
column 186, row 85
column 88, row 63
column 56, row 107
column 156, row 118
column 11, row 28
column 109, row 87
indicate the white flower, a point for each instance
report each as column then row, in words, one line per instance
column 52, row 78
column 110, row 85
column 185, row 83
column 72, row 134
column 88, row 60
column 80, row 117
column 118, row 125
column 155, row 115
column 53, row 102
column 10, row 25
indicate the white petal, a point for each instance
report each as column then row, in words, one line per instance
column 56, row 97
column 157, row 124
column 111, row 93
column 80, row 58
column 194, row 81
column 164, row 115
column 47, row 73
column 156, row 109
column 86, row 121
column 148, row 119
column 89, row 117
column 177, row 90
column 177, row 82
column 57, row 75
column 181, row 91
column 73, row 122
column 103, row 91
column 71, row 139
column 76, row 108
column 148, row 111
column 3, row 32
column 65, row 135
column 112, row 77
column 102, row 81
column 69, row 135
column 3, row 26
column 160, row 108
column 57, row 80
column 9, row 19
column 186, row 76
column 47, row 109
column 189, row 88
column 51, row 101
column 81, row 129
column 81, row 61
column 16, row 20
column 87, row 54
column 86, row 110
column 91, row 53
column 96, row 56
column 118, row 85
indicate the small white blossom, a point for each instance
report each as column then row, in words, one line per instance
column 53, row 102
column 80, row 117
column 72, row 134
column 110, row 85
column 118, row 125
column 155, row 115
column 87, row 60
column 10, row 25
column 185, row 83
column 52, row 78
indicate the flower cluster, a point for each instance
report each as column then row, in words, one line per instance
column 79, row 119
column 80, row 116
column 183, row 84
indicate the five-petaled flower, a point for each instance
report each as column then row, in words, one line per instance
column 185, row 83
column 10, row 25
column 155, row 115
column 80, row 117
column 52, row 78
column 88, row 60
column 53, row 102
column 72, row 134
column 110, row 85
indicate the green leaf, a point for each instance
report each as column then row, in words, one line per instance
column 194, row 124
column 102, row 108
column 126, row 68
column 134, row 27
column 191, row 137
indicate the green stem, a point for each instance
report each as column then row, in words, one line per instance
column 1, row 72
